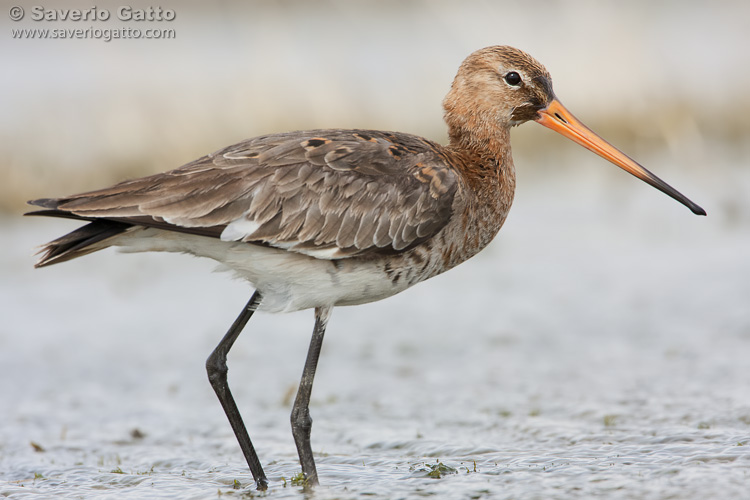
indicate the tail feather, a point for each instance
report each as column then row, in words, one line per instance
column 82, row 241
column 50, row 203
column 94, row 235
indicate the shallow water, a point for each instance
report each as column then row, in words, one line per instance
column 599, row 347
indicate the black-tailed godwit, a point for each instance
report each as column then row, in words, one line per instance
column 325, row 218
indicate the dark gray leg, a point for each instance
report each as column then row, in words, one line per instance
column 301, row 421
column 216, row 366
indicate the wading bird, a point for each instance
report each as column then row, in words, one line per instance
column 324, row 218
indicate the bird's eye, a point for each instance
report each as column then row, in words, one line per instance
column 513, row 78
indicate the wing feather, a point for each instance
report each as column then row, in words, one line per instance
column 326, row 193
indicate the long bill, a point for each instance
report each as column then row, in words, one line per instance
column 562, row 121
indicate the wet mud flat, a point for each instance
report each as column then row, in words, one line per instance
column 598, row 347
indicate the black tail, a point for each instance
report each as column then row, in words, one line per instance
column 92, row 236
column 80, row 242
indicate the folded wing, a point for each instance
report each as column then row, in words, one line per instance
column 325, row 193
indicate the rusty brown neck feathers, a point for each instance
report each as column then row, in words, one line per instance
column 482, row 106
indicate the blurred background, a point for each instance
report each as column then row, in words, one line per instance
column 602, row 338
column 668, row 77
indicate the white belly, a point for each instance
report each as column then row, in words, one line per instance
column 288, row 281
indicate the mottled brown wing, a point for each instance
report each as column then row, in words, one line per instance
column 325, row 193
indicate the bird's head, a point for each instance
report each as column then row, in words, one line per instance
column 500, row 87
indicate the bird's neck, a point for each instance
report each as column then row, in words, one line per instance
column 488, row 172
column 477, row 132
column 485, row 156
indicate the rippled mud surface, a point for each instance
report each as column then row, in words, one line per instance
column 599, row 347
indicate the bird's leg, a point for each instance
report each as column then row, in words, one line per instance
column 216, row 366
column 301, row 421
